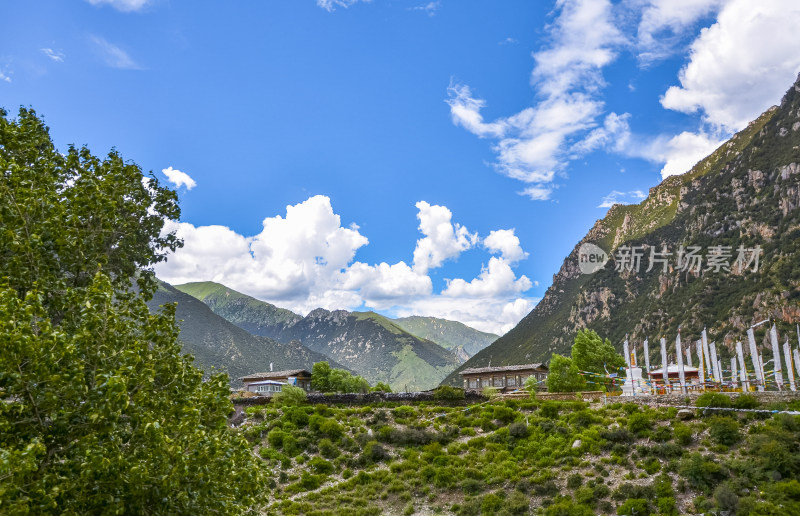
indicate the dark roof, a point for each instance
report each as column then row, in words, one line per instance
column 275, row 374
column 523, row 367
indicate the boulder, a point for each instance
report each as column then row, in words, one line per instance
column 684, row 414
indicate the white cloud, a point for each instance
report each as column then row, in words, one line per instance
column 681, row 152
column 508, row 41
column 5, row 76
column 305, row 260
column 617, row 197
column 505, row 242
column 125, row 6
column 178, row 178
column 740, row 65
column 113, row 55
column 55, row 55
column 443, row 240
column 331, row 5
column 430, row 8
column 495, row 280
column 539, row 141
column 664, row 25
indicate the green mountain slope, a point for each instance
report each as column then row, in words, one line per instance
column 248, row 313
column 369, row 344
column 452, row 335
column 746, row 193
column 374, row 347
column 217, row 343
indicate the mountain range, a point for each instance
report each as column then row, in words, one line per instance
column 744, row 196
column 217, row 344
column 414, row 353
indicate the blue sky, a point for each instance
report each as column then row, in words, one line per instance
column 437, row 158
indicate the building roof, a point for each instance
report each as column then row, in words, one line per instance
column 268, row 382
column 673, row 369
column 274, row 374
column 523, row 367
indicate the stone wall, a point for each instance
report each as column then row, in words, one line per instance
column 667, row 400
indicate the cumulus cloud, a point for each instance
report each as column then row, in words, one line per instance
column 178, row 178
column 113, row 55
column 5, row 75
column 306, row 259
column 740, row 65
column 125, row 6
column 538, row 141
column 443, row 239
column 665, row 24
column 681, row 152
column 505, row 242
column 496, row 279
column 55, row 55
column 617, row 197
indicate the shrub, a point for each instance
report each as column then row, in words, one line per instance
column 713, row 399
column 550, row 409
column 289, row 396
column 726, row 499
column 275, row 437
column 701, row 472
column 683, row 434
column 504, row 414
column 724, row 430
column 518, row 430
column 374, row 452
column 297, row 415
column 321, row 466
column 662, row 434
column 639, row 423
column 472, row 485
column 634, row 506
column 566, row 507
column 327, row 449
column 574, row 481
column 448, row 393
column 491, row 503
column 746, row 401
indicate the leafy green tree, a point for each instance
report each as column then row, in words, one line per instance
column 109, row 416
column 381, row 387
column 590, row 353
column 320, row 377
column 100, row 412
column 564, row 375
column 66, row 217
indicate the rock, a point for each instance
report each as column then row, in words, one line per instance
column 369, row 432
column 576, row 444
column 684, row 414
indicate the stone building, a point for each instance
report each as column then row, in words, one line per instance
column 504, row 378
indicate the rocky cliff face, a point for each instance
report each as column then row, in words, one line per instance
column 744, row 195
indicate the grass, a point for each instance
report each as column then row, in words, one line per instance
column 507, row 457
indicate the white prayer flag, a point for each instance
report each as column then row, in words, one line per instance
column 715, row 362
column 701, row 373
column 776, row 356
column 742, row 367
column 751, row 339
column 665, row 367
column 681, row 371
column 787, row 356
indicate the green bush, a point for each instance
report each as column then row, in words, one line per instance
column 550, row 409
column 518, row 430
column 713, row 399
column 639, row 423
column 448, row 393
column 491, row 503
column 566, row 507
column 746, row 401
column 634, row 506
column 702, row 472
column 724, row 430
column 289, row 396
column 683, row 434
column 574, row 481
column 327, row 449
column 374, row 452
column 321, row 466
column 275, row 437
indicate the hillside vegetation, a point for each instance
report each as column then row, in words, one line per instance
column 745, row 194
column 452, row 335
column 527, row 457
